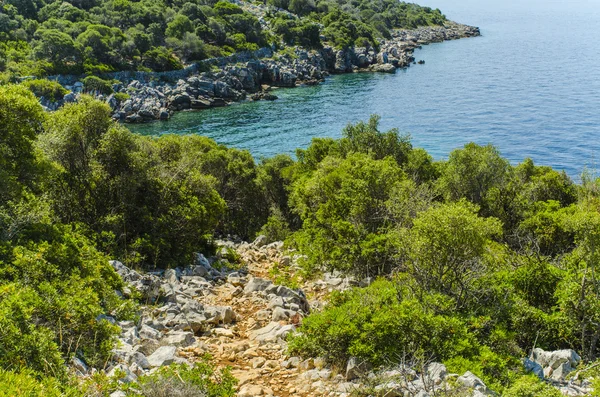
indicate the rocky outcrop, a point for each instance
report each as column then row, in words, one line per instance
column 554, row 366
column 155, row 96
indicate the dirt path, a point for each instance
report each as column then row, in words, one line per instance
column 262, row 368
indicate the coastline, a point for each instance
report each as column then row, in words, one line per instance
column 218, row 82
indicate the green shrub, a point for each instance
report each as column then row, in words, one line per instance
column 145, row 209
column 497, row 371
column 531, row 386
column 182, row 380
column 276, row 228
column 48, row 89
column 96, row 84
column 121, row 96
column 26, row 384
column 336, row 204
column 161, row 59
column 383, row 323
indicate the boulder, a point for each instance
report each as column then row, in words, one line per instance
column 195, row 322
column 251, row 391
column 472, row 382
column 164, row 114
column 147, row 332
column 219, row 314
column 140, row 360
column 200, row 104
column 356, row 368
column 383, row 68
column 256, row 284
column 280, row 314
column 556, row 364
column 201, row 260
column 79, row 366
column 272, row 332
column 170, row 276
column 179, row 338
column 123, row 373
column 533, row 367
column 436, row 372
column 164, row 355
column 70, row 98
column 260, row 241
column 382, row 58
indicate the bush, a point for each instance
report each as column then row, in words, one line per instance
column 184, row 381
column 96, row 84
column 336, row 204
column 121, row 96
column 530, row 386
column 26, row 384
column 48, row 89
column 130, row 190
column 383, row 323
column 161, row 59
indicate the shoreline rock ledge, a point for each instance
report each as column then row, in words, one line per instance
column 250, row 76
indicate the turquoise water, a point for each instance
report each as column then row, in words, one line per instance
column 530, row 85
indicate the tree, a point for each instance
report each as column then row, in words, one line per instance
column 56, row 47
column 21, row 118
column 301, row 7
column 366, row 138
column 345, row 214
column 472, row 171
column 445, row 249
column 179, row 26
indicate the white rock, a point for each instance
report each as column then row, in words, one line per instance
column 164, row 355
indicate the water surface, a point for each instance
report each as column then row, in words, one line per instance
column 530, row 85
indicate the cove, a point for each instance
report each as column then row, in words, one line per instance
column 530, row 86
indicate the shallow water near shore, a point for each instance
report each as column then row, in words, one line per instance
column 530, row 85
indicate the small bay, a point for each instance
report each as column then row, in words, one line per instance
column 530, row 85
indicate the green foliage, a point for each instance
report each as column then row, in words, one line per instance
column 96, row 84
column 496, row 370
column 343, row 30
column 121, row 96
column 495, row 249
column 479, row 260
column 200, row 379
column 46, row 88
column 50, row 37
column 21, row 117
column 149, row 200
column 531, row 386
column 336, row 204
column 446, row 247
column 381, row 323
column 25, row 383
column 472, row 172
column 161, row 60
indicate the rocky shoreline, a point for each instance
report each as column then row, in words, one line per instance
column 241, row 318
column 251, row 76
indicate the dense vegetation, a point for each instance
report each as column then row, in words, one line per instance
column 476, row 260
column 46, row 37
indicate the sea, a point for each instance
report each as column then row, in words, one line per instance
column 530, row 85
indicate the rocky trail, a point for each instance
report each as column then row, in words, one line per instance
column 240, row 316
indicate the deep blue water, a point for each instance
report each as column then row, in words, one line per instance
column 530, row 85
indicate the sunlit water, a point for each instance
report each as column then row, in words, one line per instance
column 530, row 85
